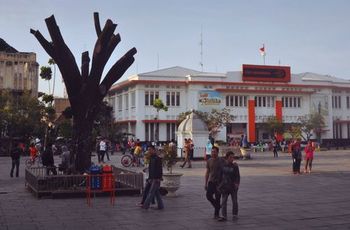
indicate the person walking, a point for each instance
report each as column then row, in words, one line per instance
column 191, row 149
column 155, row 175
column 15, row 156
column 275, row 147
column 296, row 155
column 212, row 179
column 229, row 186
column 187, row 152
column 102, row 150
column 309, row 156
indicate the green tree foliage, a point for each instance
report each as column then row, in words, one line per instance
column 47, row 98
column 315, row 123
column 46, row 73
column 273, row 125
column 21, row 115
column 215, row 120
column 65, row 129
column 103, row 125
column 159, row 105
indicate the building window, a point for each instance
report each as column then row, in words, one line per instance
column 151, row 131
column 348, row 102
column 236, row 101
column 146, row 98
column 133, row 99
column 173, row 98
column 126, row 101
column 291, row 102
column 120, row 102
column 177, row 98
column 150, row 96
column 170, row 131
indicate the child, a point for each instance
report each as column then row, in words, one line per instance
column 229, row 186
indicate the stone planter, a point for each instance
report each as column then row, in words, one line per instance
column 171, row 182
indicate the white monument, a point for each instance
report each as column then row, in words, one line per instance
column 193, row 127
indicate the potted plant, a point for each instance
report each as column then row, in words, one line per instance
column 171, row 181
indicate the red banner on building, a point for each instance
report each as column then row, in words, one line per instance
column 266, row 73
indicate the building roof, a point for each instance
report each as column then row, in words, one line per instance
column 4, row 47
column 175, row 71
column 179, row 74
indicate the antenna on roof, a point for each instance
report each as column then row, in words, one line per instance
column 201, row 45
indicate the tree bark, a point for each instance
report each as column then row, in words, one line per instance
column 85, row 92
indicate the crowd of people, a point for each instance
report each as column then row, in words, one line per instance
column 222, row 176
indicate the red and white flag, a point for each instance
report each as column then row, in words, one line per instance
column 262, row 50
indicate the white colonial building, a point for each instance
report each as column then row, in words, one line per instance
column 18, row 70
column 252, row 95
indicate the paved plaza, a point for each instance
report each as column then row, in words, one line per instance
column 270, row 197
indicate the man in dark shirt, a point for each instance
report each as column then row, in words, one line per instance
column 213, row 178
column 155, row 170
column 15, row 155
column 229, row 186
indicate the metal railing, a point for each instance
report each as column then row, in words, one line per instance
column 40, row 183
column 129, row 178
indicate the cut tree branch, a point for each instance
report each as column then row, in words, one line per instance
column 97, row 24
column 101, row 51
column 85, row 64
column 43, row 42
column 65, row 58
column 117, row 70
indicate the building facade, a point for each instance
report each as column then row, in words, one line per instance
column 253, row 95
column 18, row 70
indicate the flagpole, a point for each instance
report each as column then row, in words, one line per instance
column 264, row 54
column 264, row 58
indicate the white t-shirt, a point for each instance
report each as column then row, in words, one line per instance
column 102, row 146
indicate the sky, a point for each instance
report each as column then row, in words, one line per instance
column 308, row 35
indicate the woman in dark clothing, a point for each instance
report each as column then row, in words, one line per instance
column 48, row 161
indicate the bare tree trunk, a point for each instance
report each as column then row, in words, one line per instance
column 85, row 90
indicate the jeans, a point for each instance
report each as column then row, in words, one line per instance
column 146, row 191
column 154, row 193
column 102, row 156
column 296, row 165
column 15, row 163
column 211, row 193
column 234, row 203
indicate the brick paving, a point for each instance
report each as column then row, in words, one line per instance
column 270, row 197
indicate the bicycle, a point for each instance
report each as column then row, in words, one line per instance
column 31, row 162
column 131, row 160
